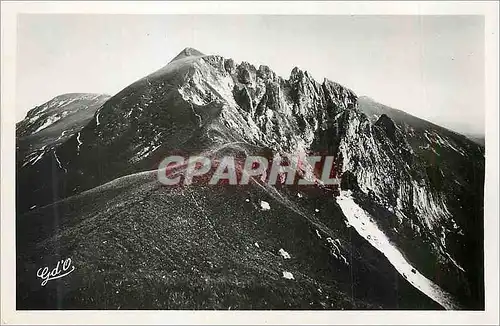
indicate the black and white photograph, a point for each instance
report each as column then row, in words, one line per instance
column 250, row 161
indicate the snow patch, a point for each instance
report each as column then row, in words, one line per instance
column 284, row 254
column 363, row 224
column 47, row 123
column 335, row 247
column 59, row 162
column 288, row 275
column 264, row 205
column 62, row 134
column 33, row 158
column 79, row 143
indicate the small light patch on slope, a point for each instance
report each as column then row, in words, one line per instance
column 62, row 134
column 264, row 205
column 288, row 275
column 360, row 220
column 428, row 146
column 284, row 254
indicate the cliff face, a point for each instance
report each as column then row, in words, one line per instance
column 274, row 112
column 200, row 104
column 454, row 168
column 300, row 115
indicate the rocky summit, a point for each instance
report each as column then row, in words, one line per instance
column 404, row 231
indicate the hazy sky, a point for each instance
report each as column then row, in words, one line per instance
column 429, row 66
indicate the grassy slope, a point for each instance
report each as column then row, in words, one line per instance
column 138, row 245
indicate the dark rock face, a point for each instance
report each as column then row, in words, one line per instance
column 208, row 105
column 265, row 73
column 244, row 76
column 349, row 181
column 230, row 66
column 388, row 126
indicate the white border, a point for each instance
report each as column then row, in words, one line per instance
column 11, row 316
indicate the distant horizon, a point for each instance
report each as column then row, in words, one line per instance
column 443, row 83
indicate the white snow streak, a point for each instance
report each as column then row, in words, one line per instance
column 47, row 123
column 454, row 262
column 38, row 158
column 59, row 162
column 62, row 135
column 196, row 115
column 33, row 158
column 442, row 141
column 361, row 221
column 79, row 143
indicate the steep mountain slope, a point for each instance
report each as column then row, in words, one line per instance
column 455, row 166
column 211, row 105
column 50, row 124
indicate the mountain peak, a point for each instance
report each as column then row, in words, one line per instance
column 188, row 52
